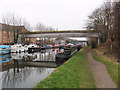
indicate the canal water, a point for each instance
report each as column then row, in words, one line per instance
column 25, row 70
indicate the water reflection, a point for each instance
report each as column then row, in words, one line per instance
column 25, row 70
column 44, row 55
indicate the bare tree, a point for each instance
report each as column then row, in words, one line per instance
column 26, row 24
column 116, row 28
column 50, row 29
column 11, row 19
column 42, row 27
column 14, row 20
column 96, row 21
column 106, row 21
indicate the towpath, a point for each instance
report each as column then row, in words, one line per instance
column 101, row 76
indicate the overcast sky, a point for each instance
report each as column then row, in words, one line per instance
column 61, row 14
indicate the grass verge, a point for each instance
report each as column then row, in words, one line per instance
column 75, row 73
column 112, row 67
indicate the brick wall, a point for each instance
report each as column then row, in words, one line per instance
column 9, row 33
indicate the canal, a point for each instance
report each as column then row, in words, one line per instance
column 25, row 70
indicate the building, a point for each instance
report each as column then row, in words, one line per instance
column 9, row 33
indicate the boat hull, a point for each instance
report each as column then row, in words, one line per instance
column 4, row 51
column 67, row 53
column 4, row 61
column 5, row 56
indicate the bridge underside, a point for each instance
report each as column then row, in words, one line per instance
column 60, row 35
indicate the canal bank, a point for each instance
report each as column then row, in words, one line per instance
column 74, row 73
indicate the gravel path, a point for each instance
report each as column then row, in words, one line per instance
column 101, row 76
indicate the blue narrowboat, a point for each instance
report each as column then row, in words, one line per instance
column 4, row 49
column 5, row 56
column 5, row 60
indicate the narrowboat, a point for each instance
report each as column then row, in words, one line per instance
column 4, row 49
column 66, row 53
column 22, row 48
column 5, row 60
column 5, row 56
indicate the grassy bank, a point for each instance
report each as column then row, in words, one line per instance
column 112, row 67
column 75, row 73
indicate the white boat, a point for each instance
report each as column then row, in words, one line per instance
column 32, row 45
column 23, row 55
column 21, row 48
column 18, row 56
column 17, row 48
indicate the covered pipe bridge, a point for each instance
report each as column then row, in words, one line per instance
column 55, row 34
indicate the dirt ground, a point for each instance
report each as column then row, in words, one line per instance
column 101, row 76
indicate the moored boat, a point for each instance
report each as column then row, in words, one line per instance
column 5, row 56
column 5, row 60
column 17, row 48
column 4, row 49
column 66, row 53
column 22, row 48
